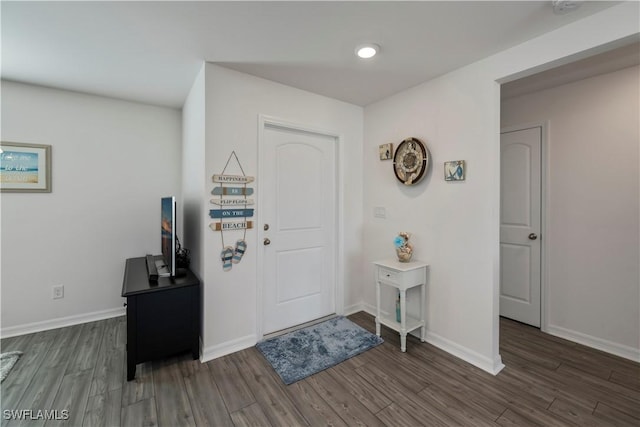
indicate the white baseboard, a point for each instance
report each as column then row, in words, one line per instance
column 476, row 359
column 367, row 308
column 219, row 350
column 61, row 322
column 486, row 364
column 352, row 309
column 595, row 342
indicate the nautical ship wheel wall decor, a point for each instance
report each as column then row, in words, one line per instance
column 411, row 161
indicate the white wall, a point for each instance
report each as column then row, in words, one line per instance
column 233, row 103
column 452, row 224
column 455, row 226
column 593, row 212
column 193, row 172
column 112, row 161
column 193, row 179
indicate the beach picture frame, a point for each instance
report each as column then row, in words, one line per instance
column 25, row 168
column 454, row 170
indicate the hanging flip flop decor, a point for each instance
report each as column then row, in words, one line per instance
column 241, row 247
column 232, row 218
column 226, row 255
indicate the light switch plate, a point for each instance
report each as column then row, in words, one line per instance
column 379, row 212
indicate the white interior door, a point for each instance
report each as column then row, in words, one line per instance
column 520, row 223
column 299, row 208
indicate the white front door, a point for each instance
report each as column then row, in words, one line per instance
column 299, row 209
column 520, row 223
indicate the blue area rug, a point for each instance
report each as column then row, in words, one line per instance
column 7, row 360
column 304, row 352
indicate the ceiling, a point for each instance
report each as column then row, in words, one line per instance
column 151, row 51
column 609, row 61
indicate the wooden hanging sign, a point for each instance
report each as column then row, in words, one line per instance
column 228, row 226
column 230, row 213
column 232, row 202
column 232, row 191
column 232, row 179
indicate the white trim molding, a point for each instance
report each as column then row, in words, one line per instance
column 219, row 350
column 61, row 322
column 486, row 364
column 595, row 342
column 355, row 308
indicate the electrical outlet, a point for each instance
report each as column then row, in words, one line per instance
column 58, row 292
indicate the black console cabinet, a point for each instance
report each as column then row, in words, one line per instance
column 163, row 317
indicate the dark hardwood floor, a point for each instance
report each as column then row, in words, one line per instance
column 547, row 381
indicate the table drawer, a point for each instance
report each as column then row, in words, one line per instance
column 390, row 276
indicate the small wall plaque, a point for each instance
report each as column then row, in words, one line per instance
column 236, row 218
column 232, row 191
column 454, row 170
column 231, row 213
column 386, row 151
column 232, row 179
column 232, row 202
column 227, row 226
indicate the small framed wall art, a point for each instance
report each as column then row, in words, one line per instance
column 454, row 170
column 25, row 168
column 386, row 151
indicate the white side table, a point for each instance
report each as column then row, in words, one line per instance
column 402, row 276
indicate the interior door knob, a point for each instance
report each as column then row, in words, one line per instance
column 266, row 241
column 533, row 236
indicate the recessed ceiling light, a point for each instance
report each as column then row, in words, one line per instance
column 368, row 50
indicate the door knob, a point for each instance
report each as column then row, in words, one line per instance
column 266, row 241
column 533, row 236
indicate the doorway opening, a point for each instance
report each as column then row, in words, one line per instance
column 577, row 107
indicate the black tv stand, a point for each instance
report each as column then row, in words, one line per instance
column 163, row 317
column 181, row 272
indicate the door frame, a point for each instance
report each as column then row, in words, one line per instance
column 544, row 212
column 264, row 122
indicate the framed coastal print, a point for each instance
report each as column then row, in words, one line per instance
column 386, row 151
column 25, row 168
column 454, row 170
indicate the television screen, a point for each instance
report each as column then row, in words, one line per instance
column 168, row 224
